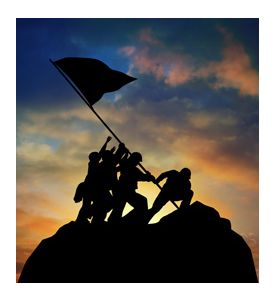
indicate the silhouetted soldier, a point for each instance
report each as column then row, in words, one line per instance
column 89, row 188
column 177, row 187
column 94, row 158
column 107, row 182
column 130, row 175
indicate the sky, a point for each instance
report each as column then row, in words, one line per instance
column 195, row 104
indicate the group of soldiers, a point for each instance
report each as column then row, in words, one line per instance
column 103, row 191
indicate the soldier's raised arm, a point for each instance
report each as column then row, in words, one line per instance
column 120, row 153
column 103, row 148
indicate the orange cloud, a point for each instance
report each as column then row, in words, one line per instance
column 30, row 196
column 36, row 225
column 146, row 35
column 180, row 72
column 30, row 230
column 174, row 144
column 234, row 70
column 173, row 69
column 206, row 155
column 207, row 120
column 128, row 50
column 146, row 63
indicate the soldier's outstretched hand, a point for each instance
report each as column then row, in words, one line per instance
column 123, row 148
column 113, row 149
column 150, row 177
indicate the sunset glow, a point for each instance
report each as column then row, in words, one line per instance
column 195, row 104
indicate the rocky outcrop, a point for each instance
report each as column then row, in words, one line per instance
column 191, row 245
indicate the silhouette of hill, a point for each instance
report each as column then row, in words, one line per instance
column 191, row 245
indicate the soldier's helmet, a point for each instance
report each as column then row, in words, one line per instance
column 186, row 172
column 93, row 156
column 136, row 158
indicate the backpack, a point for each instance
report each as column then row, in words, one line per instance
column 79, row 192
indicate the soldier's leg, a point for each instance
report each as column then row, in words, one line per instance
column 102, row 204
column 110, row 202
column 85, row 210
column 99, row 215
column 118, row 207
column 139, row 214
column 138, row 202
column 159, row 202
column 187, row 199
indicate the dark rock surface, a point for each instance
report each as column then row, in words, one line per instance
column 191, row 245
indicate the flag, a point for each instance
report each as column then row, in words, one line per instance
column 92, row 77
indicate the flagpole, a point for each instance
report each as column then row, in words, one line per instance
column 85, row 100
column 102, row 121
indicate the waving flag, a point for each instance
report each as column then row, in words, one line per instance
column 92, row 77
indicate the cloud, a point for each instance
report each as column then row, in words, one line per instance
column 53, row 144
column 212, row 132
column 34, row 152
column 208, row 156
column 169, row 134
column 36, row 200
column 168, row 127
column 153, row 57
column 128, row 50
column 175, row 67
column 206, row 120
column 146, row 35
column 234, row 70
column 35, row 224
column 30, row 230
column 209, row 139
column 172, row 69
